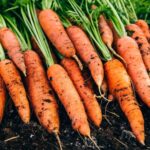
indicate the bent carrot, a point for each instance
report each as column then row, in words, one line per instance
column 87, row 94
column 2, row 98
column 128, row 49
column 10, row 42
column 144, row 27
column 13, row 82
column 138, row 35
column 87, row 53
column 120, row 87
column 69, row 97
column 41, row 94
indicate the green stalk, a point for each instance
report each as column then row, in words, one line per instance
column 90, row 25
column 2, row 22
column 30, row 19
column 2, row 54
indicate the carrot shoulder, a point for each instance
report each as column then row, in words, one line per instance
column 70, row 98
column 13, row 82
column 128, row 49
column 10, row 42
column 86, row 93
column 2, row 98
column 145, row 28
column 138, row 35
column 41, row 94
column 87, row 53
column 120, row 87
column 56, row 33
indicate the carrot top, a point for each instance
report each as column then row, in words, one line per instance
column 31, row 21
column 90, row 24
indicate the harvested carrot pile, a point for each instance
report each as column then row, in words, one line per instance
column 74, row 74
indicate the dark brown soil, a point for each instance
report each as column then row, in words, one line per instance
column 114, row 136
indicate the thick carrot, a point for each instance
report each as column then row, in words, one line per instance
column 137, row 34
column 41, row 94
column 87, row 53
column 106, row 32
column 87, row 94
column 2, row 98
column 69, row 97
column 144, row 27
column 10, row 42
column 56, row 33
column 120, row 86
column 13, row 82
column 128, row 49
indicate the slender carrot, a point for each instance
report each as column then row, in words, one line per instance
column 122, row 90
column 144, row 27
column 87, row 53
column 137, row 34
column 11, row 44
column 2, row 98
column 87, row 94
column 12, row 79
column 41, row 94
column 106, row 33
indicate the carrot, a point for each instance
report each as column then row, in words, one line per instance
column 144, row 27
column 87, row 53
column 59, row 79
column 87, row 94
column 115, row 34
column 120, row 87
column 138, row 35
column 128, row 49
column 41, row 94
column 69, row 97
column 13, row 82
column 106, row 33
column 10, row 42
column 56, row 33
column 2, row 98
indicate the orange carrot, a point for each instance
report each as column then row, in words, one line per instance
column 144, row 27
column 10, row 42
column 41, row 94
column 56, row 33
column 120, row 87
column 87, row 94
column 128, row 49
column 87, row 53
column 13, row 82
column 106, row 33
column 138, row 35
column 2, row 98
column 69, row 97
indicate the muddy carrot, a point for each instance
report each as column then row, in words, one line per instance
column 2, row 98
column 10, row 43
column 12, row 80
column 87, row 94
column 137, row 34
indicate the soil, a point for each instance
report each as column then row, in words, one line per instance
column 114, row 133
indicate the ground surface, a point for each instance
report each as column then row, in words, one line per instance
column 112, row 136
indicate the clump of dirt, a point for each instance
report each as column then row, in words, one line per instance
column 113, row 134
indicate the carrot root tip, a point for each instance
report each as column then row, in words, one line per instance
column 59, row 141
column 78, row 62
